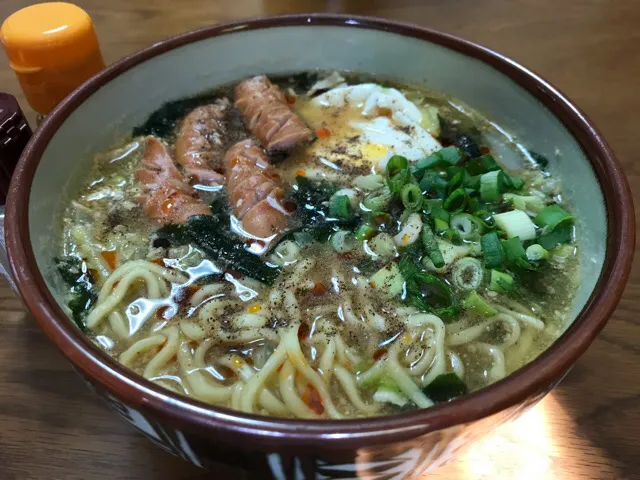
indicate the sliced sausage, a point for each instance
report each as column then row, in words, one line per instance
column 266, row 113
column 166, row 196
column 253, row 191
column 200, row 143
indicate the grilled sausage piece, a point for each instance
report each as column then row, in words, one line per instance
column 166, row 196
column 200, row 143
column 253, row 191
column 266, row 113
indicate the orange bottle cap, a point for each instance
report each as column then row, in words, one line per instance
column 53, row 48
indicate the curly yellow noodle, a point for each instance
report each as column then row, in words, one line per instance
column 139, row 348
column 199, row 386
column 289, row 393
column 165, row 355
column 350, row 387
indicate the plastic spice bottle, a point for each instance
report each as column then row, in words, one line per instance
column 52, row 48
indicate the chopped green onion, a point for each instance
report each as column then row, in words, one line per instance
column 471, row 181
column 563, row 233
column 364, row 232
column 399, row 180
column 512, row 183
column 369, row 182
column 551, row 217
column 340, row 206
column 515, row 254
column 443, row 157
column 456, row 201
column 431, row 246
column 516, row 223
column 445, row 387
column 396, row 164
column 450, row 155
column 467, row 273
column 536, row 252
column 380, row 218
column 476, row 304
column 491, row 250
column 433, row 184
column 411, row 197
column 527, row 203
column 500, row 281
column 483, row 164
column 440, row 225
column 377, row 201
column 342, row 241
column 430, row 294
column 468, row 226
column 382, row 245
column 388, row 281
column 456, row 177
column 490, row 186
column 431, row 204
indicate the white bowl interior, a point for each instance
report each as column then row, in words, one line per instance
column 126, row 101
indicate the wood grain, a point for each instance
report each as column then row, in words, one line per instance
column 588, row 428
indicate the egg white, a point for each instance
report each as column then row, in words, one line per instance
column 367, row 125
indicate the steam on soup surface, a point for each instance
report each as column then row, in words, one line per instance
column 319, row 247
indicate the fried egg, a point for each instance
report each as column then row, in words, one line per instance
column 363, row 126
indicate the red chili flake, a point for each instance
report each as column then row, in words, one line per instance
column 323, row 132
column 303, row 332
column 312, row 399
column 291, row 100
column 319, row 289
column 378, row 354
column 485, row 150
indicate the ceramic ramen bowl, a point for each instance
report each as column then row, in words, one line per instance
column 110, row 104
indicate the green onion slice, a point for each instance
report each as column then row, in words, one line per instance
column 552, row 216
column 378, row 201
column 491, row 250
column 515, row 254
column 364, row 232
column 467, row 273
column 411, row 197
column 483, row 164
column 431, row 247
column 490, row 186
column 500, row 281
column 468, row 226
column 340, row 206
column 456, row 201
column 536, row 252
column 516, row 223
column 476, row 304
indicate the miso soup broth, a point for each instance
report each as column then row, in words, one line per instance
column 319, row 246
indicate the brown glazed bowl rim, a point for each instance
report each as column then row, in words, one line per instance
column 237, row 428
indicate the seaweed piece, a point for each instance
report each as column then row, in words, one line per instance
column 445, row 387
column 211, row 234
column 74, row 272
column 541, row 160
column 163, row 121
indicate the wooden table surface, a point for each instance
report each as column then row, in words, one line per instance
column 52, row 427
